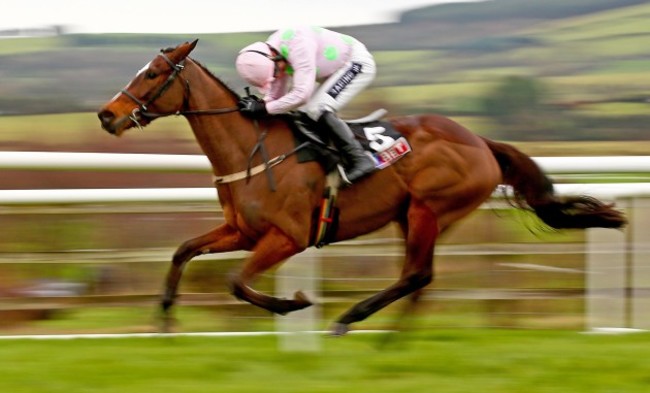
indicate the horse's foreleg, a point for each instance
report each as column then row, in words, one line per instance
column 221, row 239
column 416, row 274
column 273, row 248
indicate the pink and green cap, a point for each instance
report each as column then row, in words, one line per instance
column 256, row 66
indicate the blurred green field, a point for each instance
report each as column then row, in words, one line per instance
column 458, row 361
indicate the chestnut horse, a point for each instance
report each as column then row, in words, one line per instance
column 448, row 174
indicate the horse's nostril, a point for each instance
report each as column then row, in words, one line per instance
column 105, row 116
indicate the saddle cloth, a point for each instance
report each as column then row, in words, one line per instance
column 379, row 138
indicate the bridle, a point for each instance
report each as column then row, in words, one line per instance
column 142, row 110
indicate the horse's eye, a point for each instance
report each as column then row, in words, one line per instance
column 151, row 75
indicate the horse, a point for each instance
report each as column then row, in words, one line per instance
column 448, row 174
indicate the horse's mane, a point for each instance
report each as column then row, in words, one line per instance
column 216, row 79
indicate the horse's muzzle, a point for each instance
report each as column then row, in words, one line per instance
column 107, row 118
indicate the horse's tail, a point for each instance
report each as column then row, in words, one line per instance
column 534, row 190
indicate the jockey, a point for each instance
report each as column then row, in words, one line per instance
column 325, row 70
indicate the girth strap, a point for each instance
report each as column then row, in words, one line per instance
column 249, row 172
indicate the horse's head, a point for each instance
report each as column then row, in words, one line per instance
column 155, row 91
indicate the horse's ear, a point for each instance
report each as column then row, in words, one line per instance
column 189, row 46
column 193, row 44
column 183, row 50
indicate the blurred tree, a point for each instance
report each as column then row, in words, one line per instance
column 516, row 104
column 514, row 97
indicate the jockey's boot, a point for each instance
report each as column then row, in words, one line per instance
column 360, row 164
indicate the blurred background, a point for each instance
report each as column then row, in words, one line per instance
column 554, row 78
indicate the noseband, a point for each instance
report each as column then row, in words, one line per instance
column 142, row 110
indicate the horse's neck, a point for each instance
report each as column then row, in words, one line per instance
column 226, row 139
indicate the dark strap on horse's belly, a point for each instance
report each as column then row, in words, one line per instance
column 315, row 149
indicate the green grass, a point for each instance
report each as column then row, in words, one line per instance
column 486, row 361
column 91, row 319
column 84, row 129
column 424, row 98
column 616, row 109
column 27, row 45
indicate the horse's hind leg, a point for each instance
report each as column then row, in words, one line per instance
column 273, row 248
column 417, row 272
column 221, row 239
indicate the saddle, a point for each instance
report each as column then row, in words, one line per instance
column 379, row 138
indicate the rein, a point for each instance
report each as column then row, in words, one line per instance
column 219, row 111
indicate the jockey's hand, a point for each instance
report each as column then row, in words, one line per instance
column 252, row 107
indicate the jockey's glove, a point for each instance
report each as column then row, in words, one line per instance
column 252, row 107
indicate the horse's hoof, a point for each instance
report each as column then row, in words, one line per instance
column 285, row 306
column 166, row 304
column 301, row 300
column 339, row 329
